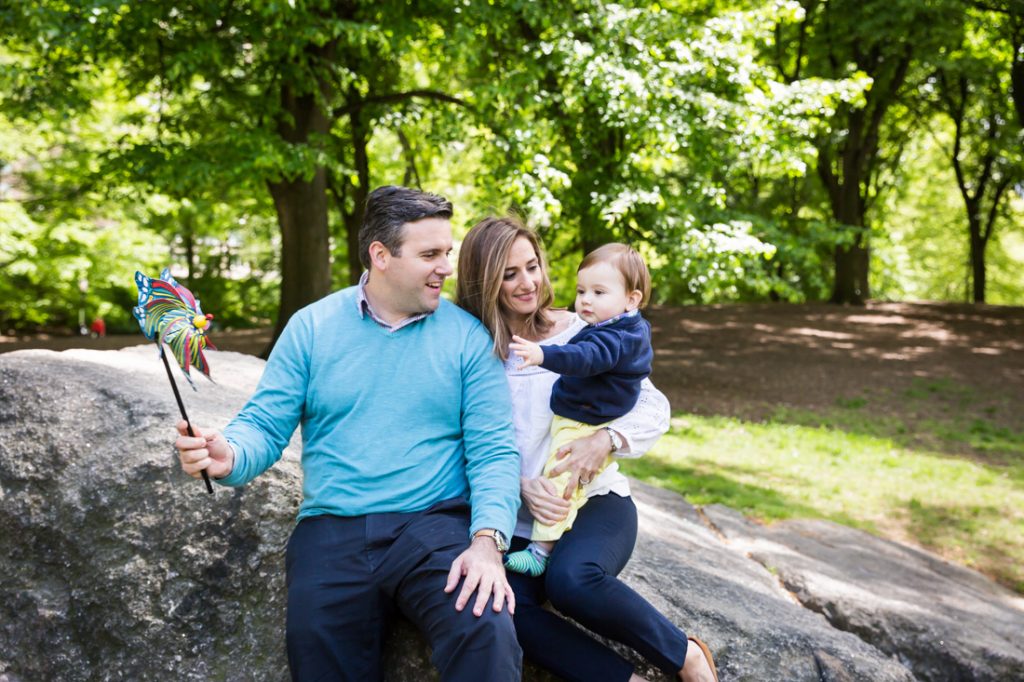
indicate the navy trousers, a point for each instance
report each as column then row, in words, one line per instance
column 347, row 576
column 581, row 583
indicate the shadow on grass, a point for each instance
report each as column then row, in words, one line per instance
column 760, row 502
column 969, row 531
column 982, row 534
column 939, row 415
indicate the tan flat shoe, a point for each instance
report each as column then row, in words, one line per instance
column 707, row 654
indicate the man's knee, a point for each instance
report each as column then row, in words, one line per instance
column 488, row 640
column 489, row 630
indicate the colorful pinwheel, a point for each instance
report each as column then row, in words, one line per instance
column 168, row 313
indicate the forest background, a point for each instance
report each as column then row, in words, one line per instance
column 804, row 151
column 794, row 151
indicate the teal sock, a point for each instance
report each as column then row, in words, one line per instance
column 531, row 561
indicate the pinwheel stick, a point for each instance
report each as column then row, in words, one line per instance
column 181, row 407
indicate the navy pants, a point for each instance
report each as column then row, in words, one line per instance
column 581, row 583
column 347, row 576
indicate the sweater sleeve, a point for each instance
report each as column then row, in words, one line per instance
column 595, row 354
column 261, row 431
column 492, row 461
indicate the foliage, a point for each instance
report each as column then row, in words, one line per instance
column 46, row 269
column 973, row 88
column 91, row 220
column 639, row 124
column 710, row 135
column 923, row 254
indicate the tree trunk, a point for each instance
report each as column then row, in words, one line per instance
column 593, row 233
column 1017, row 80
column 851, row 260
column 851, row 282
column 305, row 253
column 848, row 185
column 354, row 221
column 301, row 205
column 977, row 261
column 189, row 242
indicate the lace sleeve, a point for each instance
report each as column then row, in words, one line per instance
column 645, row 423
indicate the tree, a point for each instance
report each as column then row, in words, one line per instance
column 243, row 94
column 974, row 93
column 885, row 40
column 635, row 123
column 974, row 89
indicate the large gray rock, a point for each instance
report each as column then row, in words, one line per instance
column 755, row 628
column 117, row 566
column 944, row 622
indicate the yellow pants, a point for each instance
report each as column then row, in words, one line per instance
column 564, row 431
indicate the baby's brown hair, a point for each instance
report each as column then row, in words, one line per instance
column 628, row 262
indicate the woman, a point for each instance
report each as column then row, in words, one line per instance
column 502, row 280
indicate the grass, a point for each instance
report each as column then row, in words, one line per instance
column 934, row 414
column 866, row 471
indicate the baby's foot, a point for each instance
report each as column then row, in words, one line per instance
column 527, row 562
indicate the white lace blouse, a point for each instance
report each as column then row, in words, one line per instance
column 531, row 414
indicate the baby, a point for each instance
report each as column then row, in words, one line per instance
column 601, row 369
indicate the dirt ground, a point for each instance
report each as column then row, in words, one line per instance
column 751, row 360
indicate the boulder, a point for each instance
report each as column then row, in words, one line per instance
column 942, row 621
column 118, row 566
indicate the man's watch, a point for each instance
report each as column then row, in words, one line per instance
column 616, row 439
column 496, row 535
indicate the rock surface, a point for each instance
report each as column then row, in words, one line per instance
column 117, row 566
column 944, row 622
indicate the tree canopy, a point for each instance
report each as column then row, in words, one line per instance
column 786, row 151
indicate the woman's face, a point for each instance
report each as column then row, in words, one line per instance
column 522, row 279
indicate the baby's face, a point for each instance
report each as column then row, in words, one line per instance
column 601, row 293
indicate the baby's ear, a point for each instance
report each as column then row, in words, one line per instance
column 634, row 299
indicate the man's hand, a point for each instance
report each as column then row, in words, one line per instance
column 485, row 575
column 206, row 450
column 542, row 499
column 583, row 458
column 529, row 352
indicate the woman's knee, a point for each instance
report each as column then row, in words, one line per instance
column 574, row 587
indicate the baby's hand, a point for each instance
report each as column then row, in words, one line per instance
column 531, row 353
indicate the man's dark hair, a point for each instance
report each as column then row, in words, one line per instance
column 388, row 208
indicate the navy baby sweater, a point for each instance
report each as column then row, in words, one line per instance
column 601, row 367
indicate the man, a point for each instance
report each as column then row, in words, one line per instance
column 405, row 415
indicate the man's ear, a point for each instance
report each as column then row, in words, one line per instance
column 634, row 299
column 379, row 256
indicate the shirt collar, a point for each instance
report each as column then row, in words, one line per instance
column 363, row 307
column 613, row 320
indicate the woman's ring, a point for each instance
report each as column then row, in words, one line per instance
column 584, row 481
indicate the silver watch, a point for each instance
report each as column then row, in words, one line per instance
column 616, row 439
column 496, row 535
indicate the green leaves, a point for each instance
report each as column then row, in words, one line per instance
column 739, row 146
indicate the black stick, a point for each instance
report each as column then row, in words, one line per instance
column 181, row 406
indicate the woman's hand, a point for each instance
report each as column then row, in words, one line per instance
column 584, row 458
column 543, row 501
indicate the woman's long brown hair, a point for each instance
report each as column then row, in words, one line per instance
column 482, row 259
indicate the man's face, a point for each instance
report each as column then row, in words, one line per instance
column 414, row 278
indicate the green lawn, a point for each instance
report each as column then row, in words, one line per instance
column 874, row 473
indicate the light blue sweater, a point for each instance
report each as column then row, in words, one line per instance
column 391, row 422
